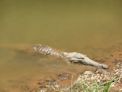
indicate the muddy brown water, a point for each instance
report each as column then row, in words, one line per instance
column 93, row 28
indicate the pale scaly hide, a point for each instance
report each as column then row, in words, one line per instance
column 70, row 56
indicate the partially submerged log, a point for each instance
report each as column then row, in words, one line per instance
column 68, row 56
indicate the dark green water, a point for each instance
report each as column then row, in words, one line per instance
column 70, row 25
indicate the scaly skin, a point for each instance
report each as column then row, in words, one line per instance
column 70, row 56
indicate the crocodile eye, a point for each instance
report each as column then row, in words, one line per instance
column 82, row 58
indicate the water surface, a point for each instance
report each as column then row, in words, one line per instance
column 92, row 28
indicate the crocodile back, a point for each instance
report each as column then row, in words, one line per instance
column 46, row 50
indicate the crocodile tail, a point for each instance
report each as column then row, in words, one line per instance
column 46, row 50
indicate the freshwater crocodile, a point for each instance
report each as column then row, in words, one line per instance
column 73, row 57
column 67, row 56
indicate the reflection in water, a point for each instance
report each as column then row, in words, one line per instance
column 92, row 28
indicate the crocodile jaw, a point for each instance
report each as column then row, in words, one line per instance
column 81, row 58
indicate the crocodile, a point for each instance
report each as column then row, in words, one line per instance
column 73, row 57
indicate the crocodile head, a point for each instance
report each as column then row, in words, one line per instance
column 81, row 58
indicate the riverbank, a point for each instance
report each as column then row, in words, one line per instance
column 86, row 82
column 23, row 71
column 96, row 79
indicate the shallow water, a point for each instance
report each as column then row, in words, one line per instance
column 93, row 28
